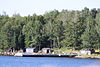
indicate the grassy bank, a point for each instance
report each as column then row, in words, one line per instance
column 66, row 50
column 1, row 50
column 69, row 50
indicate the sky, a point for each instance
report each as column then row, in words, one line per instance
column 29, row 7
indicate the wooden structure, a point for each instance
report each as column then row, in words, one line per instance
column 40, row 55
column 46, row 50
column 31, row 50
column 85, row 52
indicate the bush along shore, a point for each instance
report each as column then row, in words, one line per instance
column 7, row 53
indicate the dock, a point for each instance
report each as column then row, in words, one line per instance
column 42, row 55
column 49, row 55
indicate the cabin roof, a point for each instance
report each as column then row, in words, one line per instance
column 45, row 48
column 30, row 48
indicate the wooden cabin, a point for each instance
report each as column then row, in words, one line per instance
column 85, row 52
column 31, row 50
column 46, row 50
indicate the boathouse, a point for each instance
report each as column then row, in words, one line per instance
column 31, row 50
column 85, row 52
column 46, row 50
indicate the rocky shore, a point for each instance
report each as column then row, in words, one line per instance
column 88, row 56
column 78, row 56
column 7, row 53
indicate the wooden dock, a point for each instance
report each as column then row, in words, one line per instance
column 42, row 55
column 49, row 55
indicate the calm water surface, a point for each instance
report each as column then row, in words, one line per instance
column 10, row 61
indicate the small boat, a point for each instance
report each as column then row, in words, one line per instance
column 19, row 54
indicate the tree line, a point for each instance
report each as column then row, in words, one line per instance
column 74, row 29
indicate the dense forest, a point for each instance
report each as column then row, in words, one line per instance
column 68, row 28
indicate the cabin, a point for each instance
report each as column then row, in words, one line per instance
column 31, row 50
column 46, row 50
column 85, row 52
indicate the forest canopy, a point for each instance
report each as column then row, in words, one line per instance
column 54, row 29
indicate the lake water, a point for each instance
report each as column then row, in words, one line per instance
column 11, row 61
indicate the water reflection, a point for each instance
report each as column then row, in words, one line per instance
column 8, row 61
column 92, row 65
column 49, row 65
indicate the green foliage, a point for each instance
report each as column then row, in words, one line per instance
column 90, row 35
column 65, row 29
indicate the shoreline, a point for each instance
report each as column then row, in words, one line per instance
column 88, row 57
column 92, row 56
column 80, row 57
